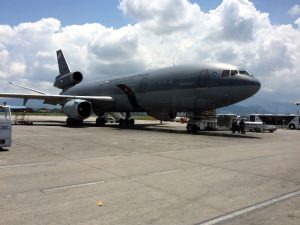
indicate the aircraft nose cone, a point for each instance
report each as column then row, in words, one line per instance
column 255, row 85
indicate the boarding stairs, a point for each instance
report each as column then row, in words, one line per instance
column 115, row 116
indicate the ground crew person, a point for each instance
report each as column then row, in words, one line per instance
column 242, row 126
column 234, row 124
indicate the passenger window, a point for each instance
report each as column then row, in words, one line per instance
column 234, row 72
column 225, row 73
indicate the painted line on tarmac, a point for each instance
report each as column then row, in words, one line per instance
column 34, row 164
column 72, row 186
column 265, row 204
column 164, row 172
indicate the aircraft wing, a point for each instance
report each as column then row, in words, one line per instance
column 58, row 99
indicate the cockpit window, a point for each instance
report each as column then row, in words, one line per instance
column 234, row 72
column 244, row 72
column 225, row 73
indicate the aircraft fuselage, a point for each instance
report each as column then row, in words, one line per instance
column 190, row 88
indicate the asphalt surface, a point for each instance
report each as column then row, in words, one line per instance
column 151, row 174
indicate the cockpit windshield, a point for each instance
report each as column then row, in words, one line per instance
column 244, row 72
column 225, row 73
column 228, row 73
column 234, row 72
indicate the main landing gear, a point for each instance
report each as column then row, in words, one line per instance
column 127, row 122
column 101, row 121
column 74, row 123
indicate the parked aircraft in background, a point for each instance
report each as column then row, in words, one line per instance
column 161, row 92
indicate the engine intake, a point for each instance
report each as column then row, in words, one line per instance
column 164, row 116
column 68, row 80
column 77, row 109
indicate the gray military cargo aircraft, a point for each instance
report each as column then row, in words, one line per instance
column 161, row 92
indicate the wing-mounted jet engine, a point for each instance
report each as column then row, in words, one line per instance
column 77, row 111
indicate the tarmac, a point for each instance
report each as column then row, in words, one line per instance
column 149, row 174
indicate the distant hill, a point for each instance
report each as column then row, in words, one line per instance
column 261, row 105
column 242, row 110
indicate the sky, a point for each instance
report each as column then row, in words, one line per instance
column 110, row 37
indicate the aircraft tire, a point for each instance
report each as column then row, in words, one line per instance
column 121, row 122
column 126, row 122
column 189, row 128
column 74, row 123
column 131, row 122
column 100, row 122
column 69, row 122
column 192, row 128
column 292, row 126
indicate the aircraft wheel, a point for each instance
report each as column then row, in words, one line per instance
column 292, row 126
column 192, row 128
column 189, row 128
column 100, row 122
column 126, row 122
column 131, row 122
column 79, row 123
column 69, row 122
column 121, row 122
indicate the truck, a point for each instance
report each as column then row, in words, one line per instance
column 5, row 126
column 259, row 127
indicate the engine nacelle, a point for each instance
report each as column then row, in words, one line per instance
column 164, row 116
column 68, row 80
column 77, row 109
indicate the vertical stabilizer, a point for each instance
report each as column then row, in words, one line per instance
column 62, row 63
column 66, row 78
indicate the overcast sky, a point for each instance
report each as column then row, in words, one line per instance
column 114, row 37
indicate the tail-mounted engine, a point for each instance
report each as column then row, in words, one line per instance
column 77, row 109
column 164, row 116
column 68, row 80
